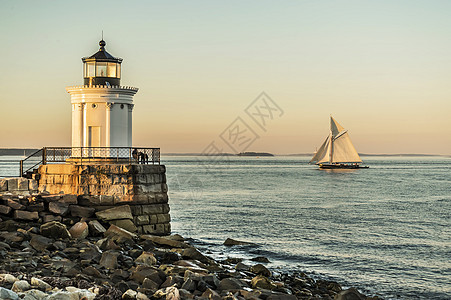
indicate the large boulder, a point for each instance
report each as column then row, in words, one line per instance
column 40, row 242
column 119, row 235
column 8, row 294
column 262, row 282
column 115, row 213
column 230, row 284
column 55, row 230
column 146, row 258
column 109, row 259
column 95, row 228
column 260, row 269
column 232, row 242
column 80, row 230
column 165, row 241
column 193, row 253
column 126, row 224
column 59, row 208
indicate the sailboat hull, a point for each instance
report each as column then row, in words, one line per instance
column 341, row 166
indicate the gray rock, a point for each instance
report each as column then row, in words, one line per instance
column 232, row 242
column 55, row 230
column 211, row 295
column 14, row 204
column 231, row 283
column 349, row 294
column 26, row 215
column 3, row 185
column 147, row 259
column 20, row 286
column 80, row 230
column 126, row 224
column 211, row 280
column 8, row 278
column 40, row 242
column 50, row 217
column 119, row 235
column 150, row 284
column 129, row 295
column 34, row 295
column 8, row 294
column 164, row 241
column 115, row 213
column 260, row 269
column 81, row 211
column 95, row 228
column 138, row 274
column 261, row 259
column 170, row 293
column 193, row 253
column 40, row 284
column 69, row 198
column 109, row 259
column 59, row 208
column 141, row 296
column 189, row 285
column 262, row 282
column 5, row 210
column 241, row 267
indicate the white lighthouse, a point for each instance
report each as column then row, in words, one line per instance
column 102, row 108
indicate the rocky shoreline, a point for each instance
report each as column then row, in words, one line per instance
column 86, row 261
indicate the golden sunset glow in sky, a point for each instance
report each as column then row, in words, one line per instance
column 381, row 68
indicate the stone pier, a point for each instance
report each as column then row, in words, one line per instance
column 130, row 196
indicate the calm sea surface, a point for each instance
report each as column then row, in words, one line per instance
column 385, row 230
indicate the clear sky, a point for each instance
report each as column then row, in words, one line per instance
column 381, row 68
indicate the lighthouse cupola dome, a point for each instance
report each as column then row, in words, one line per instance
column 102, row 68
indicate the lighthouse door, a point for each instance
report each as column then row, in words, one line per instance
column 93, row 139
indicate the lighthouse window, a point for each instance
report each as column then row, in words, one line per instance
column 111, row 69
column 101, row 69
column 118, row 71
column 94, row 105
column 90, row 69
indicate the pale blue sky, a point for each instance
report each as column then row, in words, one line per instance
column 381, row 68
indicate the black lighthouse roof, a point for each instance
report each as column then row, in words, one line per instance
column 102, row 55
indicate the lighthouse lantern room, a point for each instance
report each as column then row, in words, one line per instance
column 101, row 108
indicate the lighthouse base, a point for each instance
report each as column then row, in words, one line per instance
column 130, row 196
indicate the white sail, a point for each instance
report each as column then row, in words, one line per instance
column 344, row 151
column 337, row 146
column 335, row 128
column 323, row 152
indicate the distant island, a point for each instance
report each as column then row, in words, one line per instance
column 254, row 154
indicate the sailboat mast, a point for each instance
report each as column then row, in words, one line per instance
column 331, row 147
column 331, row 141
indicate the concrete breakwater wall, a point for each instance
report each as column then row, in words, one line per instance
column 133, row 197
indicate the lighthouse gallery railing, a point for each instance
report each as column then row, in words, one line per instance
column 83, row 155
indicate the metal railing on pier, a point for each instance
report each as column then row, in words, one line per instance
column 84, row 155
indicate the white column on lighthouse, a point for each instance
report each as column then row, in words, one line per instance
column 129, row 133
column 109, row 107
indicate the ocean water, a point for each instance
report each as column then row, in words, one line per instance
column 385, row 230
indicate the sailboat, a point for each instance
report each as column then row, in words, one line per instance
column 337, row 151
